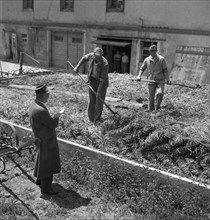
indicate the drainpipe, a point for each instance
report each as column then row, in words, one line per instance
column 48, row 48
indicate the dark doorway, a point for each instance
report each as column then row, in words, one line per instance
column 110, row 46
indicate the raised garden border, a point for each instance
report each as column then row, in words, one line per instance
column 149, row 173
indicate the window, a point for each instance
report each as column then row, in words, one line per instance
column 24, row 38
column 58, row 38
column 115, row 5
column 28, row 4
column 76, row 40
column 67, row 5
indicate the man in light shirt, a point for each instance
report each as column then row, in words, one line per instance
column 158, row 74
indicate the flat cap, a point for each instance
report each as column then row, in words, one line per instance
column 41, row 89
column 153, row 47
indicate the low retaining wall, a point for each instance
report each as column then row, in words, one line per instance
column 69, row 149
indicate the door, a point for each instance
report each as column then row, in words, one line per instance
column 75, row 48
column 59, row 49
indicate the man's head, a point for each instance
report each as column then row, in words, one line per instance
column 153, row 50
column 98, row 52
column 42, row 93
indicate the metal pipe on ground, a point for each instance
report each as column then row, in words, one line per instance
column 113, row 112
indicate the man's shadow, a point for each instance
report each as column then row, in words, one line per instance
column 66, row 198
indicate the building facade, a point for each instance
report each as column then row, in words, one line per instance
column 54, row 31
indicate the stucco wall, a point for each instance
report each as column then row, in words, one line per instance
column 36, row 46
column 184, row 14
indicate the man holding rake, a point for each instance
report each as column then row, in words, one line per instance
column 98, row 68
column 158, row 74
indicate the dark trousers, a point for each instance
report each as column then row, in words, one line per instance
column 95, row 105
column 124, row 68
column 158, row 90
column 117, row 66
column 46, row 184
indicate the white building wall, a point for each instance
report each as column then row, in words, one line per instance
column 183, row 14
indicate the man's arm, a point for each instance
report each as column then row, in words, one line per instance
column 165, row 72
column 84, row 59
column 142, row 69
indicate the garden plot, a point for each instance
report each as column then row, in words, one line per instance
column 175, row 139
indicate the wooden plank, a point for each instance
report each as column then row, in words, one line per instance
column 112, row 99
column 27, row 87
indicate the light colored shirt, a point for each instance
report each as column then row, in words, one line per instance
column 96, row 69
column 124, row 59
column 157, row 68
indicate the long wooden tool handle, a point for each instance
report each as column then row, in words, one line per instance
column 78, row 74
column 82, row 77
column 70, row 64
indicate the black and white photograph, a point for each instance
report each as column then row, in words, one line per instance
column 105, row 109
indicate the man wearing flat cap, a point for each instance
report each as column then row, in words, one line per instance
column 98, row 68
column 43, row 125
column 158, row 75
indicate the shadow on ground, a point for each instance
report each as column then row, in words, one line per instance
column 67, row 198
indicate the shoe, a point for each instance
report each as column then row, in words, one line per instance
column 51, row 192
column 99, row 120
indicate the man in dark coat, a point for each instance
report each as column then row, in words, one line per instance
column 98, row 68
column 43, row 126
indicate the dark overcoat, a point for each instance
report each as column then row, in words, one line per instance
column 43, row 125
